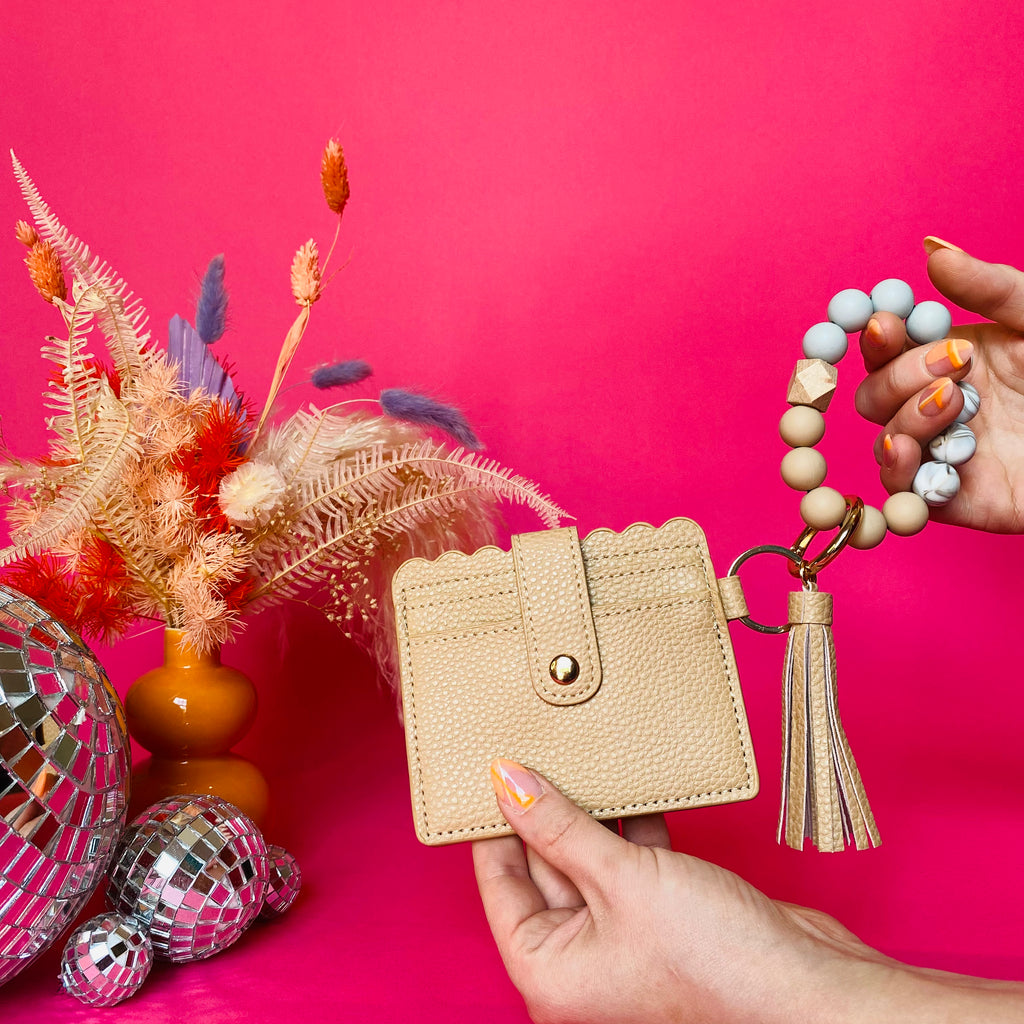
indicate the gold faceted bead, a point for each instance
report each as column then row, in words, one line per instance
column 813, row 383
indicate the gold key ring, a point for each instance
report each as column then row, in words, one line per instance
column 767, row 549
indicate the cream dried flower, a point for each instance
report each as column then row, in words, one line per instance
column 306, row 274
column 251, row 494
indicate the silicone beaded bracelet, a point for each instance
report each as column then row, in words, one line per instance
column 811, row 388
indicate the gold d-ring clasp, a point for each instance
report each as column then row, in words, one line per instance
column 806, row 569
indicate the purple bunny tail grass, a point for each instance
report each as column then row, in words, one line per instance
column 413, row 408
column 337, row 375
column 212, row 307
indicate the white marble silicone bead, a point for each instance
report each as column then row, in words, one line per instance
column 972, row 402
column 955, row 445
column 823, row 508
column 870, row 531
column 893, row 296
column 928, row 321
column 803, row 469
column 802, row 426
column 826, row 341
column 936, row 482
column 905, row 513
column 851, row 309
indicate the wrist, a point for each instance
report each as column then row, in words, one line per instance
column 871, row 991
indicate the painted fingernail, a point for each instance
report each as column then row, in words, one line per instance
column 515, row 786
column 888, row 452
column 950, row 355
column 873, row 333
column 936, row 397
column 932, row 243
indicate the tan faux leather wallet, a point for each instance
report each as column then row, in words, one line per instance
column 605, row 664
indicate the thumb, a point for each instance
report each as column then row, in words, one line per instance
column 992, row 290
column 565, row 836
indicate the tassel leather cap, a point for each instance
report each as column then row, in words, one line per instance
column 823, row 798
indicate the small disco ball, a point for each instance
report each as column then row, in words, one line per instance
column 193, row 872
column 284, row 884
column 106, row 961
column 64, row 760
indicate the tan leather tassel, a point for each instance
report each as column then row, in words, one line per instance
column 823, row 797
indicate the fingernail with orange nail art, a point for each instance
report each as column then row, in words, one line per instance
column 873, row 333
column 888, row 452
column 932, row 243
column 936, row 397
column 516, row 787
column 947, row 356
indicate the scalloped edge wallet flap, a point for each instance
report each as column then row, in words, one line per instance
column 606, row 664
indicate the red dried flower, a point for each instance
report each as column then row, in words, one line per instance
column 45, row 579
column 218, row 448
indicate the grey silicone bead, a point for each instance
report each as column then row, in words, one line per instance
column 928, row 321
column 826, row 341
column 851, row 309
column 972, row 402
column 893, row 296
column 955, row 445
column 936, row 482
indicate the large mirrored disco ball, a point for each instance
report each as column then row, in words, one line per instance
column 193, row 871
column 64, row 761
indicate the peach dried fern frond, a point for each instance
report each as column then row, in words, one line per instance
column 74, row 400
column 123, row 522
column 310, row 441
column 338, row 545
column 376, row 497
column 122, row 318
column 370, row 474
column 110, row 445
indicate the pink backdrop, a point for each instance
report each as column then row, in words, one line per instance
column 601, row 229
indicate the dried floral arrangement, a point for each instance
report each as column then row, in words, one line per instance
column 163, row 496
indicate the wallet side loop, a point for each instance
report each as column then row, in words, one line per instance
column 565, row 665
column 734, row 603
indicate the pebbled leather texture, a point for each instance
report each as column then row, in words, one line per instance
column 655, row 721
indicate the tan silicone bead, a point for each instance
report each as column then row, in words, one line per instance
column 906, row 513
column 802, row 426
column 803, row 469
column 870, row 531
column 823, row 508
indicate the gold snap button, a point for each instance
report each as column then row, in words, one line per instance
column 564, row 669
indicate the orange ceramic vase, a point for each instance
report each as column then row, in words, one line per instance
column 188, row 713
